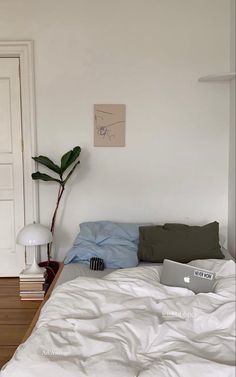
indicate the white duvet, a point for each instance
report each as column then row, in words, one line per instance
column 128, row 324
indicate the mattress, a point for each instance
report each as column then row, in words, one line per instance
column 73, row 270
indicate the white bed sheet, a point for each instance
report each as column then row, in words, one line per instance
column 129, row 325
column 73, row 270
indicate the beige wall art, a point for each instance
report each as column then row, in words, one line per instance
column 109, row 125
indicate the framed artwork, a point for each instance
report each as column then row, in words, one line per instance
column 109, row 125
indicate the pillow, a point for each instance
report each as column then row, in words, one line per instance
column 115, row 243
column 179, row 242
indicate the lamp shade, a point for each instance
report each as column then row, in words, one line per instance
column 33, row 235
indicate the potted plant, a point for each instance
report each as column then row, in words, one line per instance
column 69, row 159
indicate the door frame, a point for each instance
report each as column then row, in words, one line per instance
column 24, row 50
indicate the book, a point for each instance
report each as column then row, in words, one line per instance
column 32, row 286
column 38, row 276
column 32, row 298
column 41, row 280
column 32, row 293
column 25, row 275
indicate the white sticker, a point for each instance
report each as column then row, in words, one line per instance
column 203, row 274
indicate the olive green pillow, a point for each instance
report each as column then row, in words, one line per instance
column 179, row 242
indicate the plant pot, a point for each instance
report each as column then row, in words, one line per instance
column 52, row 267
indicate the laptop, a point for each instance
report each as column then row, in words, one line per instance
column 182, row 275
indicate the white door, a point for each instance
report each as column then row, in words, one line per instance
column 12, row 256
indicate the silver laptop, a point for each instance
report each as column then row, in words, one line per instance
column 182, row 275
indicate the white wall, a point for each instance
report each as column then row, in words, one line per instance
column 147, row 54
column 231, row 223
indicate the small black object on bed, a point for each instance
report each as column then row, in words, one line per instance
column 96, row 264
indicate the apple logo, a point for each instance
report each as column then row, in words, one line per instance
column 187, row 279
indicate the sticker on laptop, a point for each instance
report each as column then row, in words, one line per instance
column 203, row 274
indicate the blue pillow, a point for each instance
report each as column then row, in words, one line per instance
column 116, row 243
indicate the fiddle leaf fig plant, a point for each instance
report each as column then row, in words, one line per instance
column 61, row 175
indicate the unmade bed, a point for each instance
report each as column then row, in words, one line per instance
column 127, row 324
column 122, row 322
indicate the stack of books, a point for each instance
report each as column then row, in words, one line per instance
column 33, row 287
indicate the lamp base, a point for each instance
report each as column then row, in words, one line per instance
column 34, row 269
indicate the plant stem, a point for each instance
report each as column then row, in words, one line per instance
column 59, row 196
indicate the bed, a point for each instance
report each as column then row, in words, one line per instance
column 74, row 270
column 124, row 323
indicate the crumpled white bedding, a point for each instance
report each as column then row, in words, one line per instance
column 128, row 324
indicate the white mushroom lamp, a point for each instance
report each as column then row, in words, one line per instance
column 34, row 235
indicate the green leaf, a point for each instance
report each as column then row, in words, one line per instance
column 69, row 157
column 70, row 173
column 44, row 177
column 43, row 160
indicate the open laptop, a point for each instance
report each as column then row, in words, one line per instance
column 183, row 275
